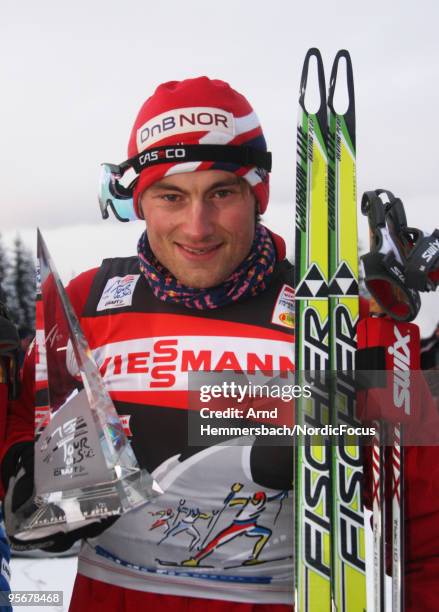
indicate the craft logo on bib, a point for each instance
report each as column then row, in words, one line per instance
column 283, row 313
column 118, row 292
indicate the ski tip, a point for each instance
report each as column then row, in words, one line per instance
column 312, row 52
column 342, row 54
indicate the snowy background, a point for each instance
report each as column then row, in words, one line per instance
column 74, row 75
column 44, row 575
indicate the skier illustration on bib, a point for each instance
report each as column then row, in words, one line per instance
column 165, row 517
column 244, row 523
column 186, row 524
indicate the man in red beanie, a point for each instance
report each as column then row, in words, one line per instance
column 210, row 289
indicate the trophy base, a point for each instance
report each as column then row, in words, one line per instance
column 64, row 511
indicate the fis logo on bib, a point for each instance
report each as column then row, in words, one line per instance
column 118, row 292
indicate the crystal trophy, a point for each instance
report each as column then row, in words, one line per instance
column 85, row 468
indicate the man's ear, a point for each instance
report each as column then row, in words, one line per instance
column 258, row 215
column 140, row 206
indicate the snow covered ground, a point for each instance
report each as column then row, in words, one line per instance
column 48, row 574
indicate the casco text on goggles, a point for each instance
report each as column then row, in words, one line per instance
column 119, row 199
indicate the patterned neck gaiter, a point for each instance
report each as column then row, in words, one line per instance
column 251, row 277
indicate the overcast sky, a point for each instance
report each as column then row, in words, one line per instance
column 74, row 74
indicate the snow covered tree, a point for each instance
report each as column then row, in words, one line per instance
column 7, row 291
column 3, row 262
column 22, row 286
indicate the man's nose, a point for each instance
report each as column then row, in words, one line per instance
column 199, row 222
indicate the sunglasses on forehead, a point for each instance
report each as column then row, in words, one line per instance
column 117, row 197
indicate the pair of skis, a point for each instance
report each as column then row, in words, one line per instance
column 330, row 542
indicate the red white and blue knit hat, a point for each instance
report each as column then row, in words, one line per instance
column 199, row 111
